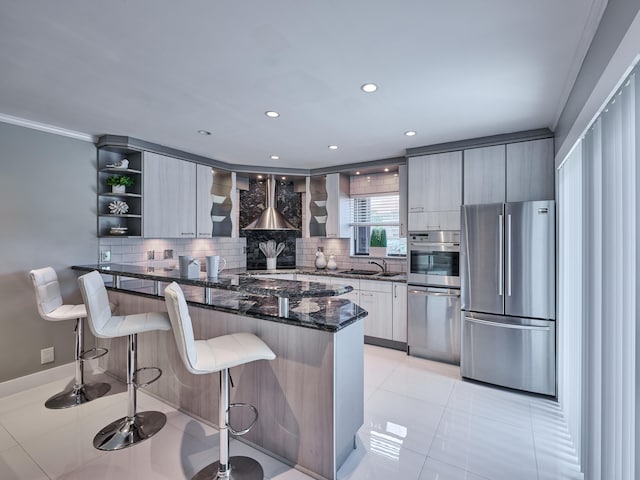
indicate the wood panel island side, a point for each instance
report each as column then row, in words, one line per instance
column 310, row 398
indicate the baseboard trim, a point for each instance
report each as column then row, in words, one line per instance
column 17, row 385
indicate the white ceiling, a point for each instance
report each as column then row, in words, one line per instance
column 159, row 70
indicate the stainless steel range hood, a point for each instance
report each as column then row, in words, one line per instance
column 270, row 218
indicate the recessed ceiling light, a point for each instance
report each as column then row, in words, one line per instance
column 271, row 114
column 410, row 133
column 369, row 87
column 204, row 132
column 357, row 173
column 284, row 178
column 333, row 147
column 275, row 157
column 259, row 176
column 386, row 169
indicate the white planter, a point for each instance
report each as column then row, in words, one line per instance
column 271, row 263
column 377, row 251
column 118, row 189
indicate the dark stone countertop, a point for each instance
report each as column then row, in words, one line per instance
column 236, row 281
column 340, row 273
column 312, row 304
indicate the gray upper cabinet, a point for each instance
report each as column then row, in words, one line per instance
column 402, row 192
column 484, row 175
column 328, row 205
column 435, row 191
column 169, row 207
column 530, row 171
column 204, row 201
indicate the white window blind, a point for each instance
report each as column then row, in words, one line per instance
column 606, row 286
column 376, row 211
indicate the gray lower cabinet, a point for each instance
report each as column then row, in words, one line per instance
column 399, row 318
column 169, row 207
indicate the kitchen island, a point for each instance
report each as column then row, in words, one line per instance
column 310, row 398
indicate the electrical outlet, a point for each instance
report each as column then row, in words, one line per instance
column 168, row 254
column 151, row 254
column 46, row 355
column 105, row 256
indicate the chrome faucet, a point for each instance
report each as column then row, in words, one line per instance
column 383, row 266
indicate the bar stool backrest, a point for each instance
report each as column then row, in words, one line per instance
column 181, row 325
column 48, row 296
column 96, row 300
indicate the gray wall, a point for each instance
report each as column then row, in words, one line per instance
column 613, row 26
column 47, row 218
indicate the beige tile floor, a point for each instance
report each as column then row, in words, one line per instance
column 422, row 422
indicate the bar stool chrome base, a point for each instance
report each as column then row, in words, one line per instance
column 128, row 431
column 240, row 468
column 77, row 396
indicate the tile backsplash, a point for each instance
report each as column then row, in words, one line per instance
column 306, row 249
column 135, row 250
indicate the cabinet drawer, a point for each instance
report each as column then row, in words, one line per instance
column 313, row 278
column 376, row 286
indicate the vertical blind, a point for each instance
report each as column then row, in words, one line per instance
column 605, row 184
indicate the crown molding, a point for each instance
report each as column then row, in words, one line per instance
column 43, row 127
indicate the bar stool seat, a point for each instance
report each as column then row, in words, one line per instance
column 217, row 354
column 51, row 308
column 136, row 426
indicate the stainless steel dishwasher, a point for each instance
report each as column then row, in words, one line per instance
column 434, row 323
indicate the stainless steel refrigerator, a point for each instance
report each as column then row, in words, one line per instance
column 507, row 263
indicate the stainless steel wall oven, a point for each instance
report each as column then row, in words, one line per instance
column 433, row 298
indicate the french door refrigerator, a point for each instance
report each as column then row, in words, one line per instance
column 507, row 268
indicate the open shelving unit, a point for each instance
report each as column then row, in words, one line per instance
column 132, row 219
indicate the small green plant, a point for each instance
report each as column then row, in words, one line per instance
column 123, row 180
column 378, row 237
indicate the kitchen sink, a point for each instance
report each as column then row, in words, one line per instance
column 387, row 274
column 359, row 272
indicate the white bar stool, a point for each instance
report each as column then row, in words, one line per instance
column 217, row 354
column 51, row 308
column 136, row 426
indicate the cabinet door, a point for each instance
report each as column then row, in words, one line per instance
column 337, row 225
column 530, row 171
column 169, row 197
column 402, row 174
column 449, row 220
column 399, row 312
column 484, row 175
column 204, row 201
column 376, row 298
column 434, row 185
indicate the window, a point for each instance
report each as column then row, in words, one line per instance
column 377, row 211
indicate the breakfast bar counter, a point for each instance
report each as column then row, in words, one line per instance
column 310, row 398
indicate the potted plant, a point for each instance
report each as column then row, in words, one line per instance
column 378, row 242
column 119, row 183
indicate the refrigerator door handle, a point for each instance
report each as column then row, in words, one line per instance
column 509, row 248
column 500, row 255
column 506, row 325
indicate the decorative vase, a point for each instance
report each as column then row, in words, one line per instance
column 118, row 189
column 321, row 261
column 377, row 251
column 271, row 263
column 331, row 264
